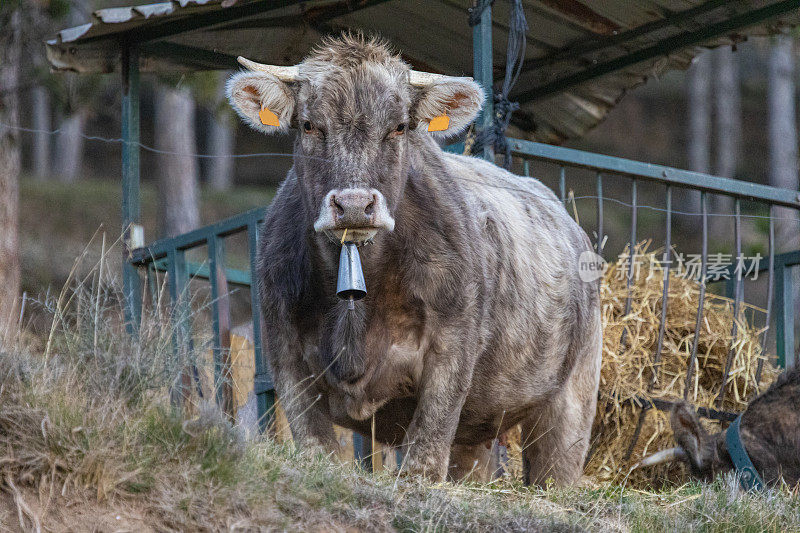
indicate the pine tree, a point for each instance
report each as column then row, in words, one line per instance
column 178, row 172
column 10, row 160
column 783, row 166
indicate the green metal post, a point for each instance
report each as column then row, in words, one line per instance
column 482, row 71
column 152, row 284
column 784, row 319
column 362, row 451
column 263, row 386
column 181, row 330
column 130, row 182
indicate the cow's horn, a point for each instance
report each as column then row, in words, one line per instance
column 282, row 73
column 664, row 456
column 415, row 77
column 423, row 79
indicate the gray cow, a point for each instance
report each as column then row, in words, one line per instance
column 476, row 318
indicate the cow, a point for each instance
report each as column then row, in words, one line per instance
column 476, row 317
column 769, row 429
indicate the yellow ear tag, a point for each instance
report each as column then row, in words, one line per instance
column 268, row 118
column 440, row 123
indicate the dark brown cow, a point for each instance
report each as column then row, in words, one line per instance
column 476, row 318
column 770, row 432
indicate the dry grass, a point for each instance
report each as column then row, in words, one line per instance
column 89, row 441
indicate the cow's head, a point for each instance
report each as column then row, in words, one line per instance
column 356, row 105
column 705, row 454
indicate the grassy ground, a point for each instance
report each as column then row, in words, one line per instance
column 88, row 441
column 57, row 221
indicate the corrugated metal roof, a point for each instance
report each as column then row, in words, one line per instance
column 582, row 56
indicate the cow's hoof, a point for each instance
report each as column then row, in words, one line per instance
column 427, row 467
column 314, row 447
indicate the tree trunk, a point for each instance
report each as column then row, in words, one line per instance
column 729, row 130
column 220, row 140
column 783, row 166
column 69, row 147
column 10, row 59
column 698, row 88
column 177, row 180
column 40, row 100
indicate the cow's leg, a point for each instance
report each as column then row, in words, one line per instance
column 306, row 410
column 471, row 463
column 446, row 378
column 556, row 436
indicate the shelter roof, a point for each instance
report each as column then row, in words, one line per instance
column 582, row 55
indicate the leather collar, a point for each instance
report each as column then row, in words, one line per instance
column 748, row 476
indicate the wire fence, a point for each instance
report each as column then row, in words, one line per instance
column 119, row 140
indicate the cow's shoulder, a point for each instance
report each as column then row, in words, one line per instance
column 284, row 267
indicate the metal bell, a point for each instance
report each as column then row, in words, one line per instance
column 350, row 285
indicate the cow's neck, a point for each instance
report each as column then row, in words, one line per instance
column 343, row 331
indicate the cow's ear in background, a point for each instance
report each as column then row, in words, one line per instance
column 261, row 100
column 459, row 100
column 689, row 434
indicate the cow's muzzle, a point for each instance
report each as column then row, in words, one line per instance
column 362, row 212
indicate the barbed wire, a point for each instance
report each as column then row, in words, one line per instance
column 118, row 140
column 686, row 213
column 622, row 202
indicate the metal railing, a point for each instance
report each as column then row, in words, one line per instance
column 169, row 255
column 779, row 268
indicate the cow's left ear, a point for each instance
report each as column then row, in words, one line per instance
column 689, row 434
column 460, row 100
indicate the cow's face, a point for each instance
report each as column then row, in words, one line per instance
column 356, row 107
column 705, row 454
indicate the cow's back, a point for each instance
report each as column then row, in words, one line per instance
column 771, row 429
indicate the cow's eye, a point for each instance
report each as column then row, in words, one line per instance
column 399, row 130
column 308, row 127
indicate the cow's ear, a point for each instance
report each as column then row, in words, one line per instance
column 689, row 434
column 265, row 103
column 459, row 100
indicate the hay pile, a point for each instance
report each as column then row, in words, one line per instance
column 629, row 365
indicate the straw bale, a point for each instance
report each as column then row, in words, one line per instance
column 629, row 365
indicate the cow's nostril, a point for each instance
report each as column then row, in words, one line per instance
column 370, row 208
column 338, row 206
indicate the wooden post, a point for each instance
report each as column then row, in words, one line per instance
column 221, row 321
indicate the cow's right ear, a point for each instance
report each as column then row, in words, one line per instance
column 689, row 434
column 251, row 93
